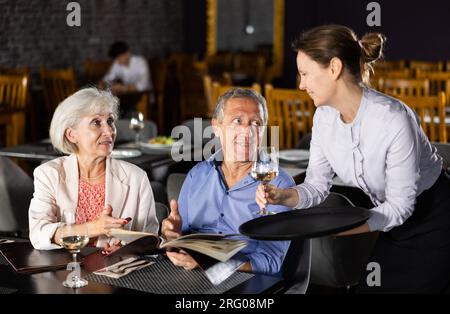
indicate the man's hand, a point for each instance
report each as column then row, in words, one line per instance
column 171, row 226
column 182, row 259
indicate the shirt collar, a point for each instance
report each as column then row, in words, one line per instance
column 216, row 159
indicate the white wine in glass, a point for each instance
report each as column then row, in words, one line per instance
column 265, row 168
column 73, row 238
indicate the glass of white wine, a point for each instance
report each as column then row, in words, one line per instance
column 265, row 168
column 137, row 124
column 73, row 238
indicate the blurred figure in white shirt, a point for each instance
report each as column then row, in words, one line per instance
column 128, row 73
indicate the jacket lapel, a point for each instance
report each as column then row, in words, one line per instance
column 116, row 189
column 71, row 182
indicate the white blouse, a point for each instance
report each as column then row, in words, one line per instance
column 384, row 152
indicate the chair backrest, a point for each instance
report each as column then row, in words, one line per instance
column 292, row 111
column 431, row 110
column 197, row 139
column 158, row 70
column 174, row 184
column 162, row 212
column 405, row 87
column 219, row 89
column 252, row 65
column 192, row 101
column 426, row 65
column 16, row 191
column 124, row 133
column 218, row 64
column 438, row 80
column 443, row 150
column 339, row 262
column 58, row 85
column 390, row 65
column 13, row 92
column 389, row 74
column 94, row 71
column 13, row 101
column 297, row 267
column 208, row 88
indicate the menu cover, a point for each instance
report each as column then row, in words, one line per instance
column 25, row 259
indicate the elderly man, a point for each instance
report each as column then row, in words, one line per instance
column 218, row 194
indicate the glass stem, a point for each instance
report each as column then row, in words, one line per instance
column 75, row 276
column 263, row 210
column 136, row 139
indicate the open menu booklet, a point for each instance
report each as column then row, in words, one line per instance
column 216, row 246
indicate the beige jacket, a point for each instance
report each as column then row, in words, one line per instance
column 127, row 190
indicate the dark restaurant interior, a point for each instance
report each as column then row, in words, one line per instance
column 194, row 52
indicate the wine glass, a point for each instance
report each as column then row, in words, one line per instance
column 73, row 238
column 137, row 124
column 265, row 168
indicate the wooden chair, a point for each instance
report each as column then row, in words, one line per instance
column 219, row 63
column 405, row 87
column 390, row 65
column 431, row 110
column 426, row 66
column 13, row 100
column 438, row 80
column 58, row 85
column 389, row 74
column 219, row 89
column 292, row 110
column 94, row 71
column 158, row 70
column 15, row 71
column 208, row 88
column 250, row 65
column 192, row 96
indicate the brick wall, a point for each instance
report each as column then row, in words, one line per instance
column 35, row 32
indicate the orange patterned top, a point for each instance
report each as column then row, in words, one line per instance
column 91, row 201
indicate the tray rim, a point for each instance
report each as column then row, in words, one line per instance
column 301, row 212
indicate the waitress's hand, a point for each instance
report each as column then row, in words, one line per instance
column 103, row 224
column 270, row 194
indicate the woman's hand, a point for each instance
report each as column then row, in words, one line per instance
column 182, row 259
column 105, row 223
column 171, row 226
column 110, row 248
column 269, row 194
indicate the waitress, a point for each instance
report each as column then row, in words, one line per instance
column 373, row 142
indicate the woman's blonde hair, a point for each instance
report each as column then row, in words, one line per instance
column 70, row 111
column 328, row 41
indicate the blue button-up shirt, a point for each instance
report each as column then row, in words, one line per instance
column 206, row 205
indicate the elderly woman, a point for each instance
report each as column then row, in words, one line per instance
column 102, row 190
column 218, row 194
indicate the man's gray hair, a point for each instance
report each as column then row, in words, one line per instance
column 70, row 111
column 241, row 93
